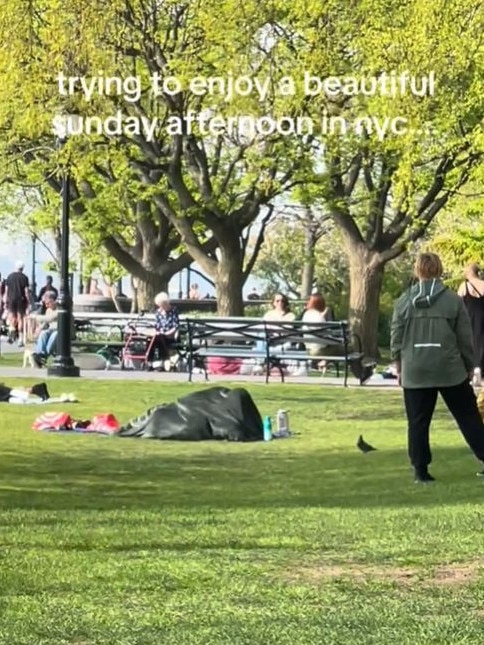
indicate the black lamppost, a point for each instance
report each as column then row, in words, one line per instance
column 63, row 363
column 34, row 262
column 188, row 277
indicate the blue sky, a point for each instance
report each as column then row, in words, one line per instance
column 19, row 247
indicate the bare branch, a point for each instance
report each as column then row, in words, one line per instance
column 258, row 243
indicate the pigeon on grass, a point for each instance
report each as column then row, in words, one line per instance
column 363, row 446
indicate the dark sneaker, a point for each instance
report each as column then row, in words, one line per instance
column 40, row 390
column 39, row 360
column 423, row 478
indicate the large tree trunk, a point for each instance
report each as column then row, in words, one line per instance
column 366, row 276
column 147, row 289
column 229, row 280
column 307, row 277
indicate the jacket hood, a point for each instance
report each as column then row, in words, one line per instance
column 425, row 293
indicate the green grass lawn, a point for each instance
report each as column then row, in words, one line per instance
column 301, row 541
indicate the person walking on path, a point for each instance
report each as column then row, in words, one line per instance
column 431, row 343
column 17, row 300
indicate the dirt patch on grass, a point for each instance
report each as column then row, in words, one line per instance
column 460, row 573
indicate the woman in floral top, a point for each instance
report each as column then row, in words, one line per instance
column 167, row 323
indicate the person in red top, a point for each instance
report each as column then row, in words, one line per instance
column 17, row 300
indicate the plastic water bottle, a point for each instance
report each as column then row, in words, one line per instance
column 267, row 428
column 477, row 378
column 282, row 423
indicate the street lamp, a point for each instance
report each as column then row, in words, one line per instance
column 63, row 363
column 34, row 262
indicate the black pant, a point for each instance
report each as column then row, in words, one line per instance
column 161, row 347
column 420, row 406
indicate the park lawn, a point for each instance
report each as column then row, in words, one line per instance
column 108, row 541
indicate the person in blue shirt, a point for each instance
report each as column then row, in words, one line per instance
column 167, row 324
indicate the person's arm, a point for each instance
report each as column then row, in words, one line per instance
column 463, row 332
column 27, row 294
column 40, row 318
column 396, row 336
column 49, row 317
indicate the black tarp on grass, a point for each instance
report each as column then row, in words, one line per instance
column 216, row 413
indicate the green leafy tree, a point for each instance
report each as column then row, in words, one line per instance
column 147, row 197
column 383, row 192
column 458, row 235
column 281, row 263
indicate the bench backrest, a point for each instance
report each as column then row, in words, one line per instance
column 214, row 329
column 227, row 330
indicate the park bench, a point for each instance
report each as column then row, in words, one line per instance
column 275, row 344
column 106, row 334
column 102, row 336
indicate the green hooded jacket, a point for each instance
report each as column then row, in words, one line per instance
column 431, row 336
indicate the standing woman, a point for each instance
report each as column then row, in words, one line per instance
column 472, row 293
column 431, row 343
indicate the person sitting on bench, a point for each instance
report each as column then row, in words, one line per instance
column 167, row 324
column 46, row 340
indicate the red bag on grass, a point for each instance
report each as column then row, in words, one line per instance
column 104, row 423
column 53, row 421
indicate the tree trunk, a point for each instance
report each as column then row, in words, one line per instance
column 366, row 276
column 134, row 299
column 148, row 288
column 307, row 277
column 229, row 280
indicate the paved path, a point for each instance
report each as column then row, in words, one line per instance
column 6, row 348
column 174, row 377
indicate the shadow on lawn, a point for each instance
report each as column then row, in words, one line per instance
column 244, row 476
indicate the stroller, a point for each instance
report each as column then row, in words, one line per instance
column 138, row 345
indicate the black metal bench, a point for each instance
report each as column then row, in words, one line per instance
column 273, row 343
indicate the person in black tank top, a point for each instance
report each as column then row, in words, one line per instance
column 472, row 293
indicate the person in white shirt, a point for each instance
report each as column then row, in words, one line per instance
column 281, row 311
column 317, row 311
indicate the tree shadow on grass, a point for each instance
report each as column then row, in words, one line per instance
column 241, row 476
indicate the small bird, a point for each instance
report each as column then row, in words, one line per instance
column 363, row 446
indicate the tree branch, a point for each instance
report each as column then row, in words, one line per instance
column 353, row 174
column 338, row 207
column 258, row 243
